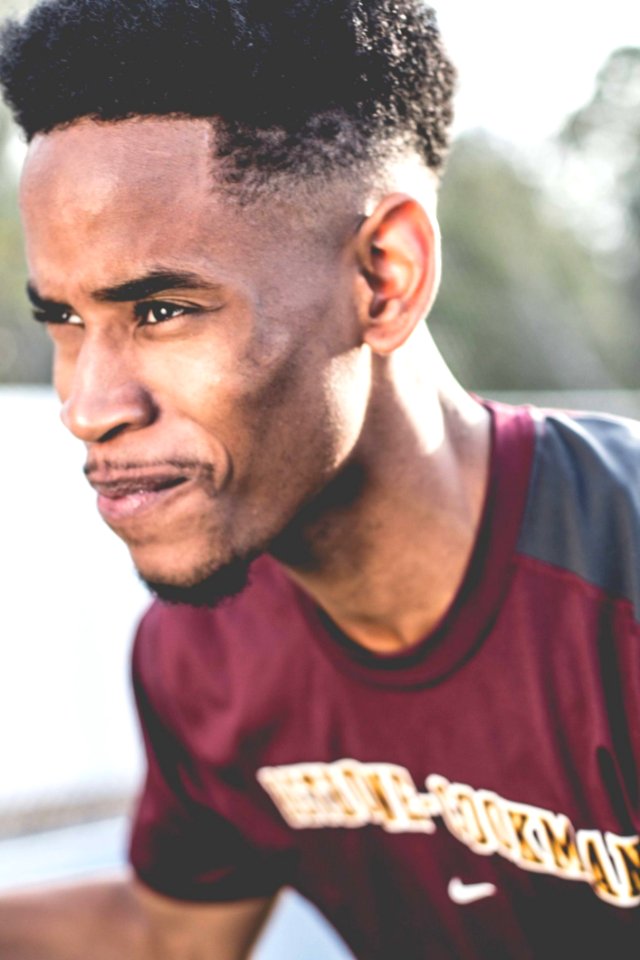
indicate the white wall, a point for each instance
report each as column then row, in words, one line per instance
column 69, row 600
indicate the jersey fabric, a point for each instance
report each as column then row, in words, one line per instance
column 473, row 798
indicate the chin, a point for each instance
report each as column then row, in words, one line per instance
column 204, row 587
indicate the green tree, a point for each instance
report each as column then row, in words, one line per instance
column 524, row 304
column 605, row 132
column 25, row 355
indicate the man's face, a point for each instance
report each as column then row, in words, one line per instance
column 208, row 356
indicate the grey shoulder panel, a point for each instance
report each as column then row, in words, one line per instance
column 583, row 507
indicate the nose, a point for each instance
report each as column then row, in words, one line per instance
column 105, row 398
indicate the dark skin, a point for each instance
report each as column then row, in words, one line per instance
column 246, row 378
column 225, row 365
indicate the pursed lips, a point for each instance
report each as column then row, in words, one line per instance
column 127, row 496
column 115, row 488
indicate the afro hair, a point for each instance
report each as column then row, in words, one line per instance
column 303, row 86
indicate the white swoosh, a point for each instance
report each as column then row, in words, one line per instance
column 464, row 893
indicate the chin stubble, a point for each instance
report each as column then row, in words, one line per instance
column 208, row 589
column 211, row 587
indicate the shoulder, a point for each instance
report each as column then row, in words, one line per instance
column 583, row 508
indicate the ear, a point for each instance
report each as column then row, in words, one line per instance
column 398, row 250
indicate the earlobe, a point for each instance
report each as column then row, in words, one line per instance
column 399, row 257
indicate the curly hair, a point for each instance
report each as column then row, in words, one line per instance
column 298, row 86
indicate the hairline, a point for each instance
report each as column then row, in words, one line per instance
column 369, row 179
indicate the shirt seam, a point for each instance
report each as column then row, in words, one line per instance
column 558, row 572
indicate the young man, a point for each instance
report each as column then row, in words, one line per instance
column 422, row 709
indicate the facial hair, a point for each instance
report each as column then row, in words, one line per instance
column 207, row 590
column 211, row 587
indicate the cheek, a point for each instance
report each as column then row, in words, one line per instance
column 223, row 364
column 277, row 389
column 347, row 387
column 215, row 379
column 305, row 419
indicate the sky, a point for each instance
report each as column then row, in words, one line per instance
column 525, row 66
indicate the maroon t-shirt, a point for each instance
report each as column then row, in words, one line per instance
column 474, row 797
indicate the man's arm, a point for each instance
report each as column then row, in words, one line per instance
column 120, row 919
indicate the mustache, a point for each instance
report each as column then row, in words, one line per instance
column 118, row 478
column 123, row 468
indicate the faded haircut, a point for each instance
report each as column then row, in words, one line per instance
column 309, row 88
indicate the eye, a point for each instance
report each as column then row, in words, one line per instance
column 58, row 317
column 159, row 312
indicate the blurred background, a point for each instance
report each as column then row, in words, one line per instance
column 540, row 213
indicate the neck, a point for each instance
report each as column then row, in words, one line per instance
column 384, row 549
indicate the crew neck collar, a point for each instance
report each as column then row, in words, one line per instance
column 471, row 614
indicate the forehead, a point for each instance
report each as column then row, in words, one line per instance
column 105, row 201
column 107, row 185
column 92, row 162
column 100, row 199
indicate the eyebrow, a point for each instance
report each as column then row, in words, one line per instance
column 39, row 302
column 156, row 281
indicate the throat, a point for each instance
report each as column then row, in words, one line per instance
column 387, row 572
column 389, row 606
column 386, row 560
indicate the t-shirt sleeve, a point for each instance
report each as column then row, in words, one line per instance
column 179, row 847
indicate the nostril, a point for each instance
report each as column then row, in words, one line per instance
column 113, row 432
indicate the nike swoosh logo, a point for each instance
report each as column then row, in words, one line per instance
column 464, row 893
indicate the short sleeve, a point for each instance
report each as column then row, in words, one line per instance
column 180, row 848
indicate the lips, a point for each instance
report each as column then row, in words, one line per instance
column 115, row 489
column 127, row 496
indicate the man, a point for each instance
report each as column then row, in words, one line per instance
column 422, row 709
